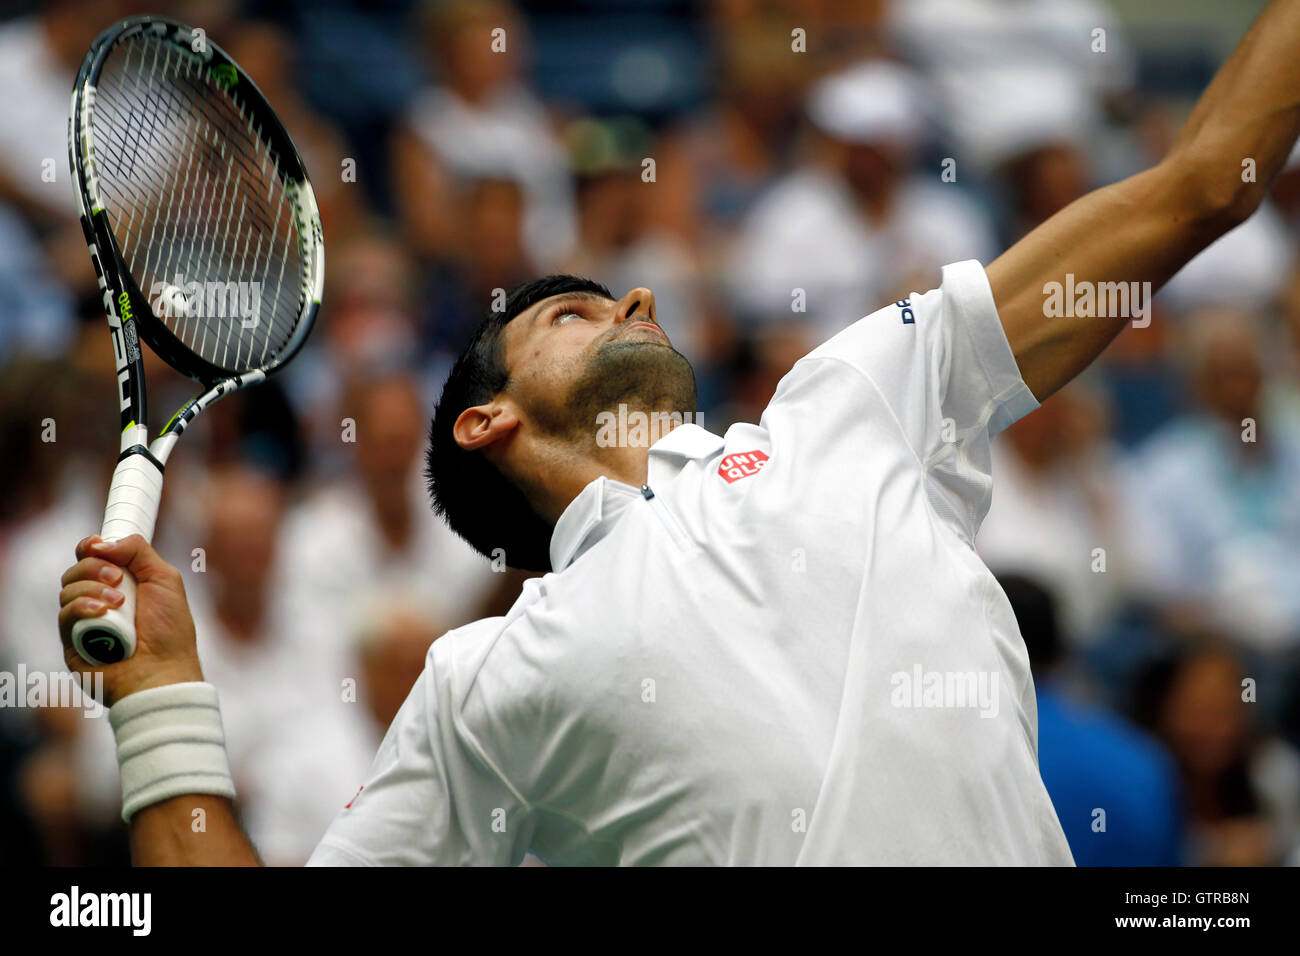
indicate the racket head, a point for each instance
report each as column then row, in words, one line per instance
column 184, row 172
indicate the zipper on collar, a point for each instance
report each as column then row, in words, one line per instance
column 667, row 519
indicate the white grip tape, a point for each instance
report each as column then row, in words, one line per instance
column 170, row 743
column 133, row 500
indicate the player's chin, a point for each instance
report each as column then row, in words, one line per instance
column 646, row 367
column 638, row 342
column 641, row 357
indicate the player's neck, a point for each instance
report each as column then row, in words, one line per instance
column 557, row 475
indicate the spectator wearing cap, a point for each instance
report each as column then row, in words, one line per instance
column 1017, row 76
column 856, row 224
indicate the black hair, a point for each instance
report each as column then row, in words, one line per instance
column 1150, row 694
column 476, row 500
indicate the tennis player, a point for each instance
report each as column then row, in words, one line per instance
column 774, row 646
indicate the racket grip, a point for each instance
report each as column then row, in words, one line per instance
column 133, row 500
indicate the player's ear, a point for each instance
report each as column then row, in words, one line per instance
column 482, row 425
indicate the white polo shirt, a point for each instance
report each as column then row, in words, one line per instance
column 789, row 654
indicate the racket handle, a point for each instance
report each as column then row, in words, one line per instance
column 133, row 500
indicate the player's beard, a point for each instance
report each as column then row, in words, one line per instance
column 644, row 376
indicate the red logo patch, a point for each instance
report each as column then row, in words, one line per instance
column 742, row 465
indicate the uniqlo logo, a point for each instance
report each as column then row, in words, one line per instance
column 742, row 465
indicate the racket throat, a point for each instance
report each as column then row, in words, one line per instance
column 146, row 453
column 134, row 495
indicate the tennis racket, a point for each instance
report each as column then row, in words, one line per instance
column 206, row 241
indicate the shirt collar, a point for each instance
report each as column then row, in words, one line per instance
column 669, row 455
column 592, row 514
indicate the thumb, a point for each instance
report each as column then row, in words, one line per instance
column 133, row 553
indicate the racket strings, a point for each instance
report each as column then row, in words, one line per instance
column 200, row 253
column 195, row 199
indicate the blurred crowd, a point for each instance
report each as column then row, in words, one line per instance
column 773, row 170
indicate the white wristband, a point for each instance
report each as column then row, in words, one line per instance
column 170, row 743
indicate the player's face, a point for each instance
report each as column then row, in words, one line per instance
column 575, row 355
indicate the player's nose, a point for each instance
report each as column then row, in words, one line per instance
column 638, row 305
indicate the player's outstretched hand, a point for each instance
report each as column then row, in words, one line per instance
column 165, row 650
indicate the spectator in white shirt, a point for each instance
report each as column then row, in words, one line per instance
column 295, row 748
column 39, row 57
column 1215, row 498
column 1054, row 515
column 1070, row 57
column 376, row 529
column 481, row 122
column 392, row 637
column 856, row 224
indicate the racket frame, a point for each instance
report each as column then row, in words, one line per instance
column 136, row 490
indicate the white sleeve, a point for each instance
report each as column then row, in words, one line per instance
column 939, row 357
column 934, row 372
column 428, row 800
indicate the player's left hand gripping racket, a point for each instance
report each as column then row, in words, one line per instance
column 206, row 240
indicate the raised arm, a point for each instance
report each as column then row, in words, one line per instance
column 1145, row 228
column 175, row 730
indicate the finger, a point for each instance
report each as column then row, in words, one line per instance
column 92, row 569
column 136, row 555
column 75, row 611
column 91, row 589
column 83, row 546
